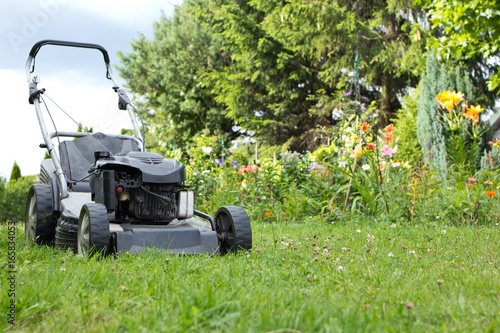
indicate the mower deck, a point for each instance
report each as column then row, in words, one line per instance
column 192, row 236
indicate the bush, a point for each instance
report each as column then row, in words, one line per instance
column 13, row 198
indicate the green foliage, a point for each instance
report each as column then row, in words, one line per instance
column 13, row 198
column 470, row 30
column 439, row 143
column 166, row 70
column 287, row 61
column 405, row 128
column 16, row 172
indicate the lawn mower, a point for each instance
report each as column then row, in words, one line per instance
column 104, row 193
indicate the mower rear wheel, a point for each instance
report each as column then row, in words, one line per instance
column 93, row 229
column 39, row 224
column 233, row 229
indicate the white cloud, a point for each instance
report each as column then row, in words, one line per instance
column 20, row 132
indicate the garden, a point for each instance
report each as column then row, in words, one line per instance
column 357, row 139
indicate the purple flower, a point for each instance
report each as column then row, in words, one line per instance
column 235, row 164
column 212, row 160
column 363, row 109
column 347, row 94
column 315, row 165
column 220, row 162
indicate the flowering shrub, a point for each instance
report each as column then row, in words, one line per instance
column 358, row 172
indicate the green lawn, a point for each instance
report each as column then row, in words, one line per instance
column 298, row 278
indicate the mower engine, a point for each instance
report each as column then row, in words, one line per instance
column 141, row 187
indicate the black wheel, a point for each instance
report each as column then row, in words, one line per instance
column 233, row 229
column 39, row 224
column 93, row 229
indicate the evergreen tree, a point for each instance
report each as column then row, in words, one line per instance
column 16, row 172
column 166, row 70
column 432, row 132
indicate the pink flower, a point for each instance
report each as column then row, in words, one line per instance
column 469, row 185
column 386, row 150
column 471, row 179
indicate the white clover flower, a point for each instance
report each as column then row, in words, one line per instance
column 344, row 248
column 443, row 232
column 390, row 255
column 340, row 268
column 365, row 167
column 411, row 252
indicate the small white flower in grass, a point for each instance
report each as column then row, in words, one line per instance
column 370, row 238
column 443, row 232
column 344, row 248
column 396, row 164
column 358, row 230
column 206, row 150
column 411, row 252
column 390, row 255
column 342, row 164
column 393, row 225
column 340, row 268
column 365, row 167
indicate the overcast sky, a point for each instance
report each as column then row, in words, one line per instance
column 74, row 78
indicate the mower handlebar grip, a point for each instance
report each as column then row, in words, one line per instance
column 38, row 45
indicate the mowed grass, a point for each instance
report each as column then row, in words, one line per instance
column 298, row 278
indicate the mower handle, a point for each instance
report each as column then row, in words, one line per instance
column 38, row 45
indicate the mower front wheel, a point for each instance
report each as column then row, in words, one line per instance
column 233, row 229
column 39, row 225
column 93, row 229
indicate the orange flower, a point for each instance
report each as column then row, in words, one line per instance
column 371, row 147
column 251, row 179
column 473, row 117
column 389, row 128
column 269, row 214
column 364, row 126
column 388, row 137
column 490, row 193
column 475, row 109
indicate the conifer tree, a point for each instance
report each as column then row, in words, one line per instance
column 16, row 172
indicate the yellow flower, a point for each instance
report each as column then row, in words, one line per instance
column 457, row 97
column 475, row 109
column 358, row 150
column 449, row 99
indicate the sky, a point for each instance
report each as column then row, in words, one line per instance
column 74, row 78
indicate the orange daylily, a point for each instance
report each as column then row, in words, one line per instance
column 475, row 109
column 364, row 126
column 371, row 147
column 389, row 128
